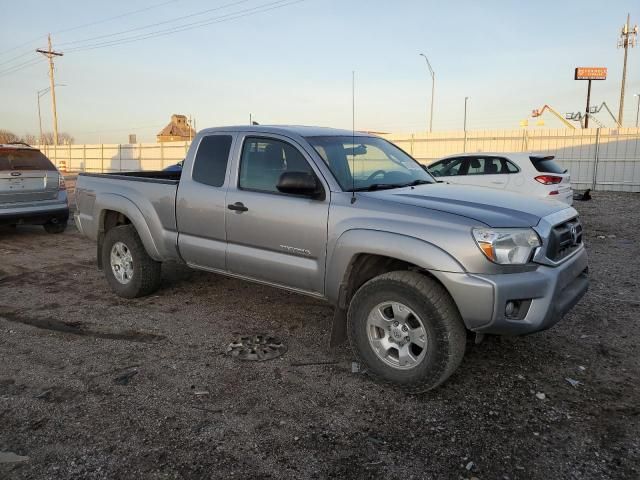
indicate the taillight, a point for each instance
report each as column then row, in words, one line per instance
column 61, row 184
column 548, row 179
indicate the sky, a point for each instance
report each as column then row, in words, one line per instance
column 294, row 64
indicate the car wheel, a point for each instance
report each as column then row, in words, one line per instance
column 406, row 330
column 55, row 227
column 129, row 269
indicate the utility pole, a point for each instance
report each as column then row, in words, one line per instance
column 627, row 39
column 50, row 53
column 433, row 90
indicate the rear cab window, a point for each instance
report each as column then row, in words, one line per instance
column 23, row 159
column 212, row 157
column 546, row 164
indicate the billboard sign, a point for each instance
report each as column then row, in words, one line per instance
column 591, row 73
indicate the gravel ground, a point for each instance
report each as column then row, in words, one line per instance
column 94, row 386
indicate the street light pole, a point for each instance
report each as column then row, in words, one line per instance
column 638, row 109
column 433, row 90
column 39, row 120
column 41, row 93
column 466, row 100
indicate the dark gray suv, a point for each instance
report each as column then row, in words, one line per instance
column 32, row 190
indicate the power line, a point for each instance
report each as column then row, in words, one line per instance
column 22, row 66
column 151, row 25
column 177, row 29
column 77, row 27
column 17, row 57
column 22, row 45
column 133, row 12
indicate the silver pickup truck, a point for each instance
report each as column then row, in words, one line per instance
column 411, row 265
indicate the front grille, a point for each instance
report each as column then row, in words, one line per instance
column 564, row 239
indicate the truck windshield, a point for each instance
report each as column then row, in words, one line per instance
column 369, row 163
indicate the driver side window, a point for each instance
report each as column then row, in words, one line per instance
column 264, row 160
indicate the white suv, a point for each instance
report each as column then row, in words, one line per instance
column 526, row 173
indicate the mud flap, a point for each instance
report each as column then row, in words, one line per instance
column 338, row 328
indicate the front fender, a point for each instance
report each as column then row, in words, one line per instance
column 374, row 242
column 120, row 204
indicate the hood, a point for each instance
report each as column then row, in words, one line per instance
column 496, row 208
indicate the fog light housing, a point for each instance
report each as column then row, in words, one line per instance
column 516, row 309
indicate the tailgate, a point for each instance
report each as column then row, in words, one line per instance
column 20, row 187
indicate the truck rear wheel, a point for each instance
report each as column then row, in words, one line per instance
column 406, row 330
column 129, row 269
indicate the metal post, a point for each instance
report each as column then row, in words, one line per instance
column 466, row 99
column 39, row 119
column 595, row 163
column 102, row 158
column 119, row 157
column 433, row 90
column 638, row 109
column 586, row 116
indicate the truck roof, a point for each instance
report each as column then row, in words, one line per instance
column 301, row 130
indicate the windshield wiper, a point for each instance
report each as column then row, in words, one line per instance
column 377, row 186
column 415, row 183
column 388, row 186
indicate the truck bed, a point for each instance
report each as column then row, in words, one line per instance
column 146, row 198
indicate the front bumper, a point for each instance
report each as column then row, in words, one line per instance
column 553, row 291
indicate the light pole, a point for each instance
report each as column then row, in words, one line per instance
column 433, row 90
column 41, row 93
column 466, row 100
column 638, row 109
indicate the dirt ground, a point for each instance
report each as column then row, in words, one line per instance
column 94, row 386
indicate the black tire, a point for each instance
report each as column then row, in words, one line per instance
column 445, row 331
column 55, row 227
column 146, row 271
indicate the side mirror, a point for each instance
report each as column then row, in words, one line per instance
column 300, row 183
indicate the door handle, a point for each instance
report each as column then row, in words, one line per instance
column 237, row 207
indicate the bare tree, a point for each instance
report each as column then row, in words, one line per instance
column 63, row 138
column 30, row 139
column 7, row 137
column 47, row 138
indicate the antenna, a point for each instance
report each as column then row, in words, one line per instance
column 353, row 137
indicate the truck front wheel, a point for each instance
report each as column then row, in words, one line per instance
column 406, row 330
column 129, row 269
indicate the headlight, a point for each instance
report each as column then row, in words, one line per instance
column 507, row 246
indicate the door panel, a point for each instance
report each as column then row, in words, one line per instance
column 273, row 237
column 201, row 204
column 484, row 172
